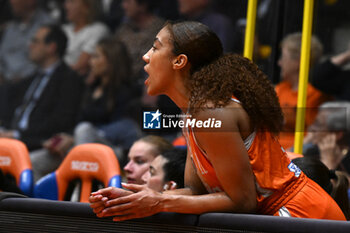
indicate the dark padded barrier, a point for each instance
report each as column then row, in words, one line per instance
column 4, row 195
column 40, row 215
column 264, row 223
column 44, row 206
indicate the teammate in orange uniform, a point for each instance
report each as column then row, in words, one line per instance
column 237, row 167
column 287, row 89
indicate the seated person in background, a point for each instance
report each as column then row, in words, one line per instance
column 201, row 11
column 141, row 170
column 166, row 171
column 137, row 32
column 105, row 116
column 83, row 32
column 141, row 154
column 47, row 102
column 287, row 89
column 328, row 138
column 335, row 183
column 102, row 118
column 331, row 77
column 15, row 63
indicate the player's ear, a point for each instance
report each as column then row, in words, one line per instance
column 180, row 61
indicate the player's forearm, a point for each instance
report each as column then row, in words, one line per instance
column 197, row 204
column 182, row 191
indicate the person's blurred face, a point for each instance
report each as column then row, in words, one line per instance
column 190, row 7
column 318, row 129
column 75, row 10
column 132, row 8
column 155, row 176
column 141, row 155
column 98, row 62
column 289, row 65
column 38, row 49
column 159, row 64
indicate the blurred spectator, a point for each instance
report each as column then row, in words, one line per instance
column 340, row 182
column 14, row 60
column 331, row 77
column 47, row 101
column 103, row 116
column 330, row 17
column 83, row 32
column 328, row 138
column 335, row 183
column 168, row 9
column 54, row 8
column 236, row 10
column 287, row 89
column 138, row 30
column 141, row 154
column 112, row 13
column 107, row 100
column 5, row 14
column 166, row 171
column 201, row 11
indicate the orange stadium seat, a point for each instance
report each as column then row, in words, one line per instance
column 15, row 160
column 87, row 162
column 180, row 142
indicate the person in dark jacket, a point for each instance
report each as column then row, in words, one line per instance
column 331, row 77
column 47, row 102
column 103, row 116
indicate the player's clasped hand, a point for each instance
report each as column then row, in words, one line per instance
column 136, row 202
column 98, row 199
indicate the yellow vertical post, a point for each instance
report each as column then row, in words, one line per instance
column 303, row 74
column 250, row 29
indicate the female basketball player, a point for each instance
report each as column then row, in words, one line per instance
column 239, row 167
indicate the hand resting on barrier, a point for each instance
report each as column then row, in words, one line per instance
column 140, row 202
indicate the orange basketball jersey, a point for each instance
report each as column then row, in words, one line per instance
column 277, row 179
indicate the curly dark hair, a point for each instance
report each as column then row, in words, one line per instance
column 235, row 75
